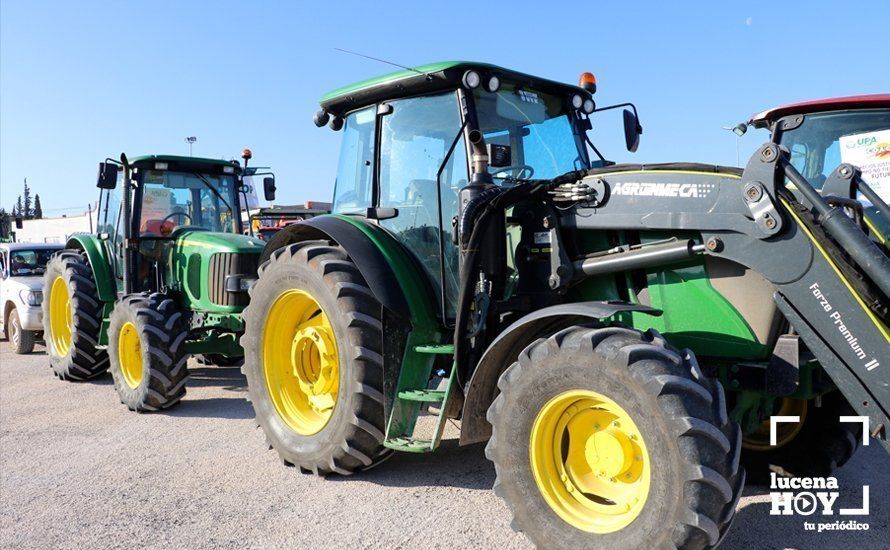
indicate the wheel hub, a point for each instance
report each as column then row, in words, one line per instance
column 313, row 359
column 589, row 461
column 60, row 318
column 300, row 362
column 609, row 453
column 129, row 355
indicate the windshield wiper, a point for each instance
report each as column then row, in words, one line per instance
column 214, row 190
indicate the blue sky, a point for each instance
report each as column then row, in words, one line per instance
column 83, row 80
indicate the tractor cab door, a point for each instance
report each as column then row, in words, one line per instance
column 389, row 158
column 414, row 139
column 109, row 226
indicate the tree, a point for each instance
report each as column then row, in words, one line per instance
column 17, row 210
column 28, row 212
column 5, row 224
column 38, row 211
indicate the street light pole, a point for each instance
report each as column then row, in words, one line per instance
column 191, row 141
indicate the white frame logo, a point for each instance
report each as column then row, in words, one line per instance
column 806, row 496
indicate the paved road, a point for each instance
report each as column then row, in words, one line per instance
column 77, row 470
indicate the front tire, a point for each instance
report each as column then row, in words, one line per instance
column 22, row 340
column 146, row 341
column 603, row 437
column 72, row 317
column 313, row 359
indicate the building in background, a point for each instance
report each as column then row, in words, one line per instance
column 56, row 230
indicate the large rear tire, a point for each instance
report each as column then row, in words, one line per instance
column 72, row 317
column 146, row 341
column 815, row 447
column 603, row 437
column 313, row 359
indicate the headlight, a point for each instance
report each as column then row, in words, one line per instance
column 31, row 297
column 239, row 283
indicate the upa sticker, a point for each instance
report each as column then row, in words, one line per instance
column 870, row 151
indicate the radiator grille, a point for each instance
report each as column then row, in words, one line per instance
column 224, row 264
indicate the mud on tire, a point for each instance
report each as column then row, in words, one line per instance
column 162, row 332
column 353, row 436
column 692, row 445
column 82, row 360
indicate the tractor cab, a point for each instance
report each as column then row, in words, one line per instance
column 419, row 144
column 173, row 200
column 823, row 134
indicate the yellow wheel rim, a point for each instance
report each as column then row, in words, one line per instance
column 300, row 362
column 589, row 461
column 60, row 318
column 785, row 431
column 129, row 354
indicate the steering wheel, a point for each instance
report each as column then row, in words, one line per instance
column 170, row 215
column 518, row 169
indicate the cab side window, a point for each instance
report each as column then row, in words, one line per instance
column 352, row 191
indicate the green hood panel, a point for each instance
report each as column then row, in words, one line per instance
column 218, row 242
column 192, row 273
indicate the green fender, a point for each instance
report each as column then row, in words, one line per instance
column 100, row 262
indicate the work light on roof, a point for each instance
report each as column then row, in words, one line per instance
column 577, row 101
column 588, row 106
column 228, row 169
column 160, row 166
column 321, row 118
column 471, row 79
column 493, row 84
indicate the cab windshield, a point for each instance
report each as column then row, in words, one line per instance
column 537, row 127
column 186, row 199
column 23, row 263
column 825, row 140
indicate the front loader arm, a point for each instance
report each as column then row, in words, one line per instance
column 754, row 221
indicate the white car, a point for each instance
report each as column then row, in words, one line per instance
column 21, row 292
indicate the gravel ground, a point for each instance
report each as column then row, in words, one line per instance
column 79, row 470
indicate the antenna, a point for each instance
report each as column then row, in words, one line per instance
column 384, row 61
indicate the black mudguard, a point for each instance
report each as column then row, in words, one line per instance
column 367, row 257
column 501, row 353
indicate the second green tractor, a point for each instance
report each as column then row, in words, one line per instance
column 164, row 277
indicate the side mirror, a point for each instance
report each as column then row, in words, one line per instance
column 632, row 131
column 18, row 223
column 107, row 178
column 269, row 188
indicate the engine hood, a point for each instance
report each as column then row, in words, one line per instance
column 25, row 282
column 219, row 242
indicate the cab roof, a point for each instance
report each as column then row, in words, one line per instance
column 181, row 159
column 444, row 75
column 766, row 118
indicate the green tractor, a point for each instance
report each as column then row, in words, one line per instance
column 605, row 328
column 165, row 277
